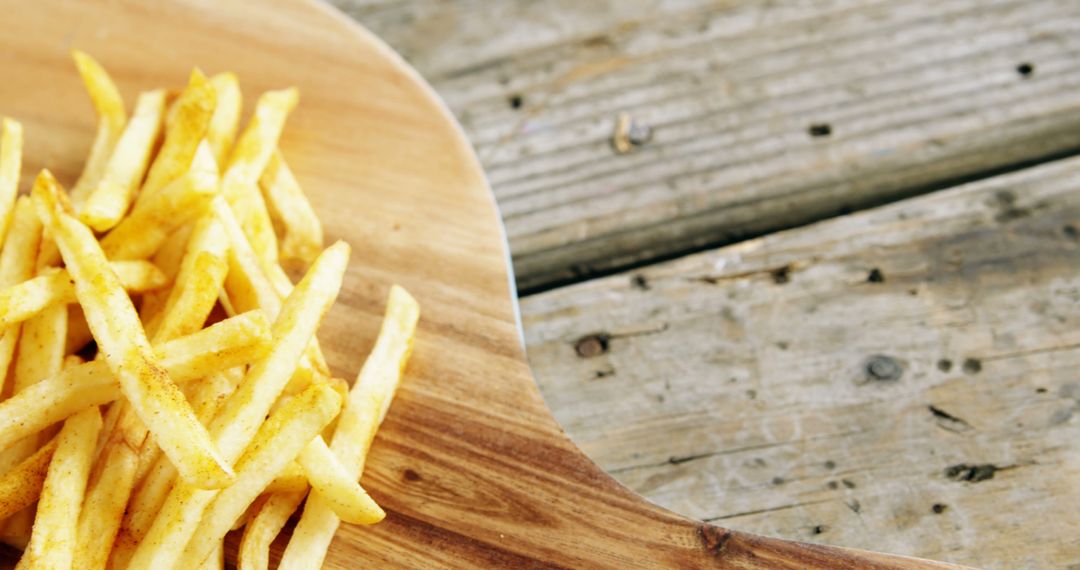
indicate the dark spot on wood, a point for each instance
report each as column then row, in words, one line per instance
column 833, row 485
column 639, row 282
column 639, row 133
column 882, row 368
column 1070, row 232
column 1007, row 209
column 713, row 538
column 875, row 276
column 971, row 473
column 972, row 365
column 855, row 506
column 818, row 529
column 1040, row 390
column 778, row 480
column 781, row 275
column 944, row 365
column 410, row 475
column 830, row 464
column 820, row 130
column 760, row 462
column 516, row 101
column 939, row 508
column 752, row 394
column 1025, row 69
column 684, row 458
column 913, row 292
column 848, row 483
column 592, row 345
column 782, row 345
column 603, row 373
column 947, row 421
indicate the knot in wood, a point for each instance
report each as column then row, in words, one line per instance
column 592, row 345
column 883, row 368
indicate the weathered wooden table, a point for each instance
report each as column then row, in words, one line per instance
column 810, row 269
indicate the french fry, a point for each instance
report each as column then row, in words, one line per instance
column 279, row 440
column 216, row 560
column 151, row 221
column 17, row 264
column 11, row 143
column 29, row 298
column 107, row 203
column 290, row 479
column 121, row 338
column 197, row 285
column 111, row 119
column 238, row 340
column 168, row 259
column 52, row 542
column 336, row 486
column 249, row 158
column 365, row 409
column 291, row 213
column 240, row 416
column 222, row 130
column 261, row 530
column 21, row 486
column 184, row 130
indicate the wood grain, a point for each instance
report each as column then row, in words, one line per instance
column 916, row 94
column 469, row 464
column 903, row 378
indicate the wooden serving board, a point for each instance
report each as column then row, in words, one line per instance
column 470, row 466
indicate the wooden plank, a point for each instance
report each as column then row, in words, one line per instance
column 902, row 378
column 916, row 94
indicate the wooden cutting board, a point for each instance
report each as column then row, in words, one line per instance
column 469, row 464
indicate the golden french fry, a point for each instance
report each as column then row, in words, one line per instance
column 21, row 486
column 52, row 542
column 240, row 416
column 336, row 486
column 279, row 440
column 368, row 403
column 289, row 480
column 29, row 298
column 151, row 221
column 222, row 130
column 195, row 291
column 107, row 203
column 120, row 336
column 237, row 340
column 291, row 213
column 17, row 264
column 216, row 560
column 261, row 530
column 168, row 259
column 11, row 143
column 246, row 283
column 239, row 184
column 185, row 129
column 111, row 119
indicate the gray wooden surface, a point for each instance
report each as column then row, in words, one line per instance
column 900, row 379
column 916, row 94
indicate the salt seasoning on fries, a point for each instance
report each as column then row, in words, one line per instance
column 194, row 416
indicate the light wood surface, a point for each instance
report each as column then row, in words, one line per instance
column 826, row 383
column 918, row 94
column 469, row 464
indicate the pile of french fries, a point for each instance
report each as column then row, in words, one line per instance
column 138, row 438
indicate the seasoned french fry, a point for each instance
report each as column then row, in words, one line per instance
column 239, row 419
column 198, row 282
column 336, row 486
column 291, row 212
column 120, row 335
column 365, row 409
column 29, row 298
column 249, row 158
column 21, row 486
column 11, row 143
column 261, row 531
column 168, row 259
column 17, row 264
column 237, row 340
column 108, row 202
column 216, row 560
column 277, row 442
column 290, row 479
column 222, row 130
column 111, row 119
column 184, row 130
column 52, row 542
column 151, row 221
